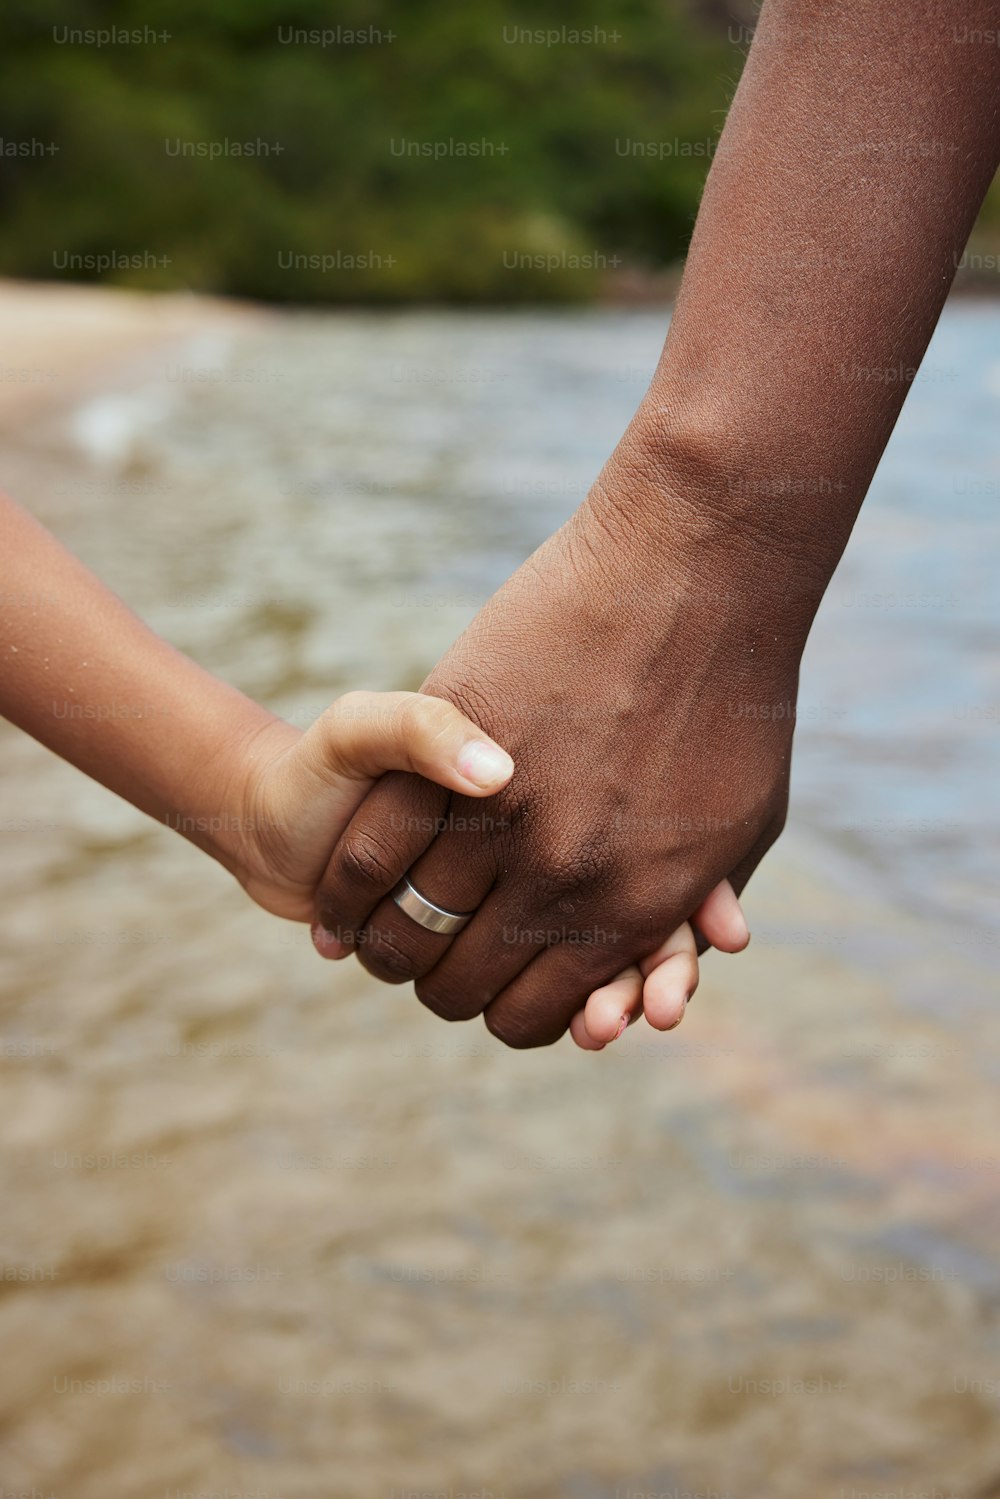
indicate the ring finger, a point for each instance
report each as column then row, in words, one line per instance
column 454, row 875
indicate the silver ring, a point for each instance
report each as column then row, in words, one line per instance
column 425, row 913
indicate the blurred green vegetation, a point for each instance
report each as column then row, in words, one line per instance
column 326, row 208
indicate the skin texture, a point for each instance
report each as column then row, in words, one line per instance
column 647, row 655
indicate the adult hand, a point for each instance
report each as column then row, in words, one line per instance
column 648, row 705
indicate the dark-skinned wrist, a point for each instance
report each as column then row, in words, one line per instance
column 714, row 532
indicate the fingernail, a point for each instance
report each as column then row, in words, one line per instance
column 623, row 1022
column 745, row 930
column 327, row 944
column 680, row 1017
column 485, row 764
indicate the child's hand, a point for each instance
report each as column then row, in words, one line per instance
column 661, row 985
column 301, row 790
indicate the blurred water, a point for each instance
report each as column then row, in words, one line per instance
column 898, row 766
column 802, row 1184
column 378, row 477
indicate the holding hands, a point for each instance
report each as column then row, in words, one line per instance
column 638, row 791
column 301, row 791
column 266, row 800
column 273, row 804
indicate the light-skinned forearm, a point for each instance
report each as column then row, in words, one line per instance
column 89, row 680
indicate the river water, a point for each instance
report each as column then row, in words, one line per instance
column 272, row 1227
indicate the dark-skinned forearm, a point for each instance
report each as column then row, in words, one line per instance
column 858, row 149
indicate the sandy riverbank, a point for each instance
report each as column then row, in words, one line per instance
column 57, row 338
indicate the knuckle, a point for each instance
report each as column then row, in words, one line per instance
column 565, row 876
column 427, row 723
column 519, row 1030
column 384, row 956
column 506, row 1027
column 350, row 704
column 345, row 711
column 450, row 1003
column 364, row 863
column 417, row 717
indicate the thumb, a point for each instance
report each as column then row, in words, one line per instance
column 363, row 734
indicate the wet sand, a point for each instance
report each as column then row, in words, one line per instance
column 58, row 338
column 270, row 1227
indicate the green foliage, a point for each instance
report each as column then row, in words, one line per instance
column 340, row 203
